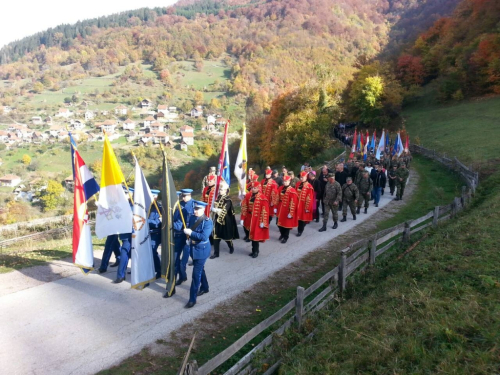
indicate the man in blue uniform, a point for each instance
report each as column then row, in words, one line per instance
column 181, row 249
column 111, row 246
column 154, row 222
column 198, row 231
column 125, row 248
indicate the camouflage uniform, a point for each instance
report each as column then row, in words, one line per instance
column 394, row 163
column 401, row 178
column 350, row 194
column 359, row 175
column 333, row 194
column 391, row 174
column 365, row 187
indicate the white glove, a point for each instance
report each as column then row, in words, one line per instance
column 275, row 210
column 241, row 222
column 188, row 231
column 290, row 216
column 213, row 209
column 262, row 225
column 307, row 211
column 218, row 210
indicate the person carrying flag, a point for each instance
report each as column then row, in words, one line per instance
column 225, row 227
column 154, row 222
column 208, row 193
column 182, row 213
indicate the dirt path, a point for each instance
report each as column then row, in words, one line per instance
column 55, row 320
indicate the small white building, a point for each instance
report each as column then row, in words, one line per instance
column 10, row 180
column 163, row 109
column 77, row 124
column 148, row 121
column 128, row 124
column 157, row 126
column 146, row 103
column 121, row 110
column 89, row 115
column 188, row 138
column 64, row 112
column 197, row 111
column 36, row 120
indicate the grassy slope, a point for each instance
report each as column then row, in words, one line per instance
column 469, row 130
column 435, row 311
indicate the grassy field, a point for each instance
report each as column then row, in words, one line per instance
column 469, row 130
column 434, row 311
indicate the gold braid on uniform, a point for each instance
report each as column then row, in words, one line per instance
column 308, row 198
column 292, row 207
column 221, row 204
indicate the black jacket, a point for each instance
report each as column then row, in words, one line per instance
column 341, row 177
column 380, row 179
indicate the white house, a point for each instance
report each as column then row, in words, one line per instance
column 128, row 124
column 4, row 136
column 10, row 180
column 172, row 109
column 64, row 112
column 184, row 146
column 210, row 119
column 108, row 126
column 6, row 109
column 148, row 121
column 157, row 126
column 36, row 120
column 77, row 124
column 145, row 103
column 121, row 110
column 146, row 138
column 160, row 137
column 163, row 109
column 188, row 138
column 186, row 128
column 197, row 111
column 89, row 115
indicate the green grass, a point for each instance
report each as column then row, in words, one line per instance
column 434, row 311
column 469, row 130
column 435, row 186
column 212, row 70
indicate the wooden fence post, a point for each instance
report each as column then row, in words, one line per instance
column 299, row 305
column 342, row 271
column 435, row 217
column 373, row 249
column 406, row 232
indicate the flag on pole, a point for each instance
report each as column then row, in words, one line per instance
column 365, row 151
column 372, row 144
column 143, row 269
column 387, row 141
column 400, row 145
column 223, row 168
column 407, row 143
column 168, row 200
column 85, row 186
column 381, row 146
column 240, row 167
column 114, row 215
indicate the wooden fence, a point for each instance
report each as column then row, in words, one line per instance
column 355, row 257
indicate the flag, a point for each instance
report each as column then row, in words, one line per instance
column 400, row 145
column 83, row 254
column 359, row 146
column 223, row 169
column 90, row 185
column 114, row 215
column 387, row 141
column 372, row 144
column 365, row 150
column 407, row 143
column 381, row 146
column 168, row 200
column 143, row 269
column 240, row 167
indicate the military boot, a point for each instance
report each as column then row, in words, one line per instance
column 335, row 225
column 354, row 217
column 323, row 228
column 344, row 218
column 357, row 210
column 366, row 210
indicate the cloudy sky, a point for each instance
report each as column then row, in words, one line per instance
column 21, row 18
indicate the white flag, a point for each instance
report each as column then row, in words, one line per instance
column 381, row 146
column 143, row 269
column 240, row 167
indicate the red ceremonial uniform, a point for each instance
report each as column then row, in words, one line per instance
column 254, row 211
column 288, row 200
column 270, row 190
column 208, row 197
column 305, row 192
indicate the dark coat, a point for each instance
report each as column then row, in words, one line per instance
column 225, row 222
column 341, row 177
column 380, row 179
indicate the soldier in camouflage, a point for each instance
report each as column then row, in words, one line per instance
column 350, row 195
column 391, row 174
column 365, row 187
column 331, row 199
column 401, row 177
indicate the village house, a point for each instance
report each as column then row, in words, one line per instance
column 220, row 121
column 183, row 146
column 160, row 138
column 64, row 112
column 6, row 110
column 104, row 113
column 89, row 115
column 36, row 120
column 54, row 130
column 10, row 180
column 121, row 110
column 131, row 135
column 157, row 126
column 163, row 109
column 188, row 138
column 186, row 128
column 145, row 104
column 77, row 124
column 146, row 139
column 38, row 137
column 197, row 111
column 172, row 109
column 108, row 126
column 68, row 182
column 92, row 137
column 4, row 136
column 48, row 121
column 148, row 121
column 128, row 124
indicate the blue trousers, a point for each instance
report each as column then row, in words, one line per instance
column 112, row 245
column 124, row 257
column 376, row 194
column 181, row 256
column 199, row 281
column 155, row 242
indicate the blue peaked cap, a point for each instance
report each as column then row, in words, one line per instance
column 186, row 191
column 199, row 204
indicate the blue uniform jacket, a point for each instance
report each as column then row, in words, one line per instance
column 199, row 242
column 187, row 212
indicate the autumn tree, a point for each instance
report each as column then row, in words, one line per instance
column 26, row 159
column 198, row 98
column 50, row 198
